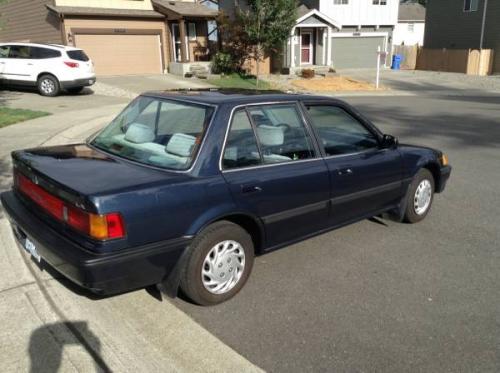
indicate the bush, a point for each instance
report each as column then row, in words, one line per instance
column 307, row 73
column 222, row 63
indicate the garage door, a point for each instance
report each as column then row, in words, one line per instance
column 122, row 54
column 355, row 52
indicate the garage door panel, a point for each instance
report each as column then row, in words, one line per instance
column 358, row 52
column 122, row 54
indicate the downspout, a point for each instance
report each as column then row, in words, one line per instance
column 481, row 41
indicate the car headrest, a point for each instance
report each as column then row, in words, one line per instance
column 181, row 144
column 139, row 133
column 270, row 135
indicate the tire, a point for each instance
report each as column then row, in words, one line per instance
column 417, row 210
column 75, row 91
column 48, row 85
column 219, row 238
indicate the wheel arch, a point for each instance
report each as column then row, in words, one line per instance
column 46, row 73
column 434, row 169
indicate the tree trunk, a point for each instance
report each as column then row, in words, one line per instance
column 257, row 67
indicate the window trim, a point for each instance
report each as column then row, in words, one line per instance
column 318, row 154
column 471, row 9
column 365, row 123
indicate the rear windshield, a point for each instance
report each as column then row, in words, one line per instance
column 162, row 133
column 78, row 55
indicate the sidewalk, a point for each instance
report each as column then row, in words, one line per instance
column 48, row 326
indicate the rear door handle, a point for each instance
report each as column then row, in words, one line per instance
column 345, row 171
column 248, row 189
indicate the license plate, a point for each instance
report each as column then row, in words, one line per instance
column 31, row 248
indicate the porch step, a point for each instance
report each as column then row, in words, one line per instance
column 199, row 70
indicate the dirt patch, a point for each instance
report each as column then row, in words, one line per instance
column 333, row 83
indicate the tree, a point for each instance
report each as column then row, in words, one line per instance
column 266, row 25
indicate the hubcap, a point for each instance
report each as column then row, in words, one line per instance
column 423, row 196
column 48, row 86
column 223, row 267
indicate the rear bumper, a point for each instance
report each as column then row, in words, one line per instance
column 445, row 173
column 86, row 82
column 107, row 273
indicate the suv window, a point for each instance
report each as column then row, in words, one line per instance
column 44, row 53
column 4, row 51
column 281, row 133
column 19, row 51
column 241, row 146
column 78, row 55
column 339, row 132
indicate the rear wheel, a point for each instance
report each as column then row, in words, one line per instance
column 420, row 196
column 218, row 264
column 48, row 85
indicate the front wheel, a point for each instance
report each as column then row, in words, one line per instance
column 420, row 196
column 48, row 85
column 218, row 263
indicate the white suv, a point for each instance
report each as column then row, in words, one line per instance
column 49, row 67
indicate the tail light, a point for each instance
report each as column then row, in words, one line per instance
column 71, row 64
column 100, row 227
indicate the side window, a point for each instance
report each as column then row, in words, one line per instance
column 339, row 132
column 281, row 133
column 241, row 146
column 43, row 53
column 4, row 51
column 19, row 51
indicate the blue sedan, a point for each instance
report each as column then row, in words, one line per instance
column 184, row 189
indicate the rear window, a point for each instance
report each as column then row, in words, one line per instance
column 157, row 132
column 78, row 55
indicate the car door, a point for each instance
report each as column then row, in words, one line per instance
column 4, row 54
column 365, row 177
column 19, row 65
column 274, row 171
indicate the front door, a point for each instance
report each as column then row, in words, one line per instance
column 176, row 41
column 19, row 66
column 274, row 171
column 365, row 178
column 306, row 47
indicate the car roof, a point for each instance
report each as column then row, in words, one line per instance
column 235, row 97
column 43, row 45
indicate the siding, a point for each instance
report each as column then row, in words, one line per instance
column 492, row 32
column 29, row 20
column 116, row 4
column 448, row 26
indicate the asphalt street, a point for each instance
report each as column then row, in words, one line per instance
column 379, row 295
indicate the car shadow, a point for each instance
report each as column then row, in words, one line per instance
column 8, row 93
column 47, row 343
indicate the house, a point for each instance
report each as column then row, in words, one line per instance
column 335, row 33
column 411, row 25
column 121, row 36
column 464, row 24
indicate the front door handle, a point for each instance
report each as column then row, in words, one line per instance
column 248, row 189
column 345, row 171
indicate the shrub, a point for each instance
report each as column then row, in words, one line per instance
column 222, row 63
column 307, row 73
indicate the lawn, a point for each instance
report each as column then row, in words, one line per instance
column 237, row 81
column 10, row 116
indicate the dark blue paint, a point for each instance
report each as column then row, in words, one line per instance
column 287, row 202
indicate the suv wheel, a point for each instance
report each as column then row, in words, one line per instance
column 420, row 196
column 218, row 264
column 48, row 85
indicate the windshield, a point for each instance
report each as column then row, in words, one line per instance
column 157, row 132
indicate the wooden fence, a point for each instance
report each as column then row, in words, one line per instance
column 467, row 61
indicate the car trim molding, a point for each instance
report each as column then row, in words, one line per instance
column 291, row 213
column 366, row 193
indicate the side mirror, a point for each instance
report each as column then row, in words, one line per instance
column 389, row 142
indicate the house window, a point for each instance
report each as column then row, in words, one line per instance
column 192, row 31
column 411, row 27
column 379, row 2
column 470, row 5
column 341, row 2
